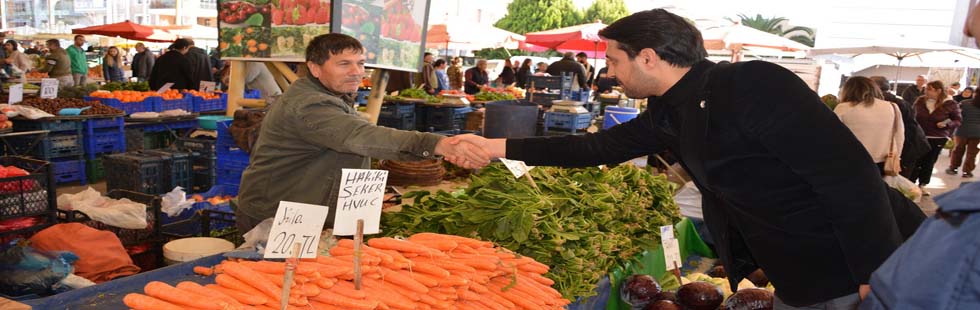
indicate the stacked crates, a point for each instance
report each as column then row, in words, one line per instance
column 203, row 162
column 62, row 147
column 101, row 136
column 447, row 118
column 398, row 115
column 231, row 160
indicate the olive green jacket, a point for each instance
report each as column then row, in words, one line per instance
column 306, row 138
column 56, row 63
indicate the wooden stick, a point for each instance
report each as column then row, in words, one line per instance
column 236, row 86
column 379, row 82
column 287, row 281
column 527, row 174
column 358, row 241
column 677, row 273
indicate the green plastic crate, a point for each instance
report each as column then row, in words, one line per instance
column 94, row 170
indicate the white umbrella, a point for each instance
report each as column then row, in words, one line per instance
column 736, row 37
column 919, row 54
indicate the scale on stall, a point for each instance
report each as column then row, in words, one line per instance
column 568, row 106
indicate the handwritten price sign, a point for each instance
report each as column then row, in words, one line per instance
column 296, row 223
column 361, row 198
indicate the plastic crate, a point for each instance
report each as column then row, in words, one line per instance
column 147, row 105
column 136, row 172
column 224, row 136
column 166, row 105
column 204, row 147
column 104, row 141
column 421, row 117
column 178, row 171
column 52, row 146
column 396, row 110
column 94, row 170
column 199, row 104
column 28, row 195
column 23, row 233
column 544, row 99
column 252, row 94
column 161, row 127
column 567, row 121
column 204, row 180
column 128, row 237
column 69, row 170
column 52, row 126
column 189, row 221
column 229, row 176
column 99, row 123
column 439, row 119
column 406, row 122
column 362, row 96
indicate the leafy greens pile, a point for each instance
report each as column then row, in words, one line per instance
column 582, row 222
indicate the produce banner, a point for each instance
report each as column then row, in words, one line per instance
column 392, row 31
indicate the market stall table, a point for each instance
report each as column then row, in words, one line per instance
column 39, row 135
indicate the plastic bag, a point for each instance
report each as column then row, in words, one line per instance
column 688, row 198
column 258, row 236
column 175, row 202
column 122, row 213
column 29, row 271
column 905, row 186
column 29, row 112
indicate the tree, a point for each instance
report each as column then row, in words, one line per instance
column 525, row 16
column 606, row 11
column 774, row 25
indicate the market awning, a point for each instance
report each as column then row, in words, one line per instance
column 127, row 30
column 583, row 37
column 736, row 36
column 468, row 35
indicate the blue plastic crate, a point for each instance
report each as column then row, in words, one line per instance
column 234, row 163
column 178, row 168
column 202, row 146
column 568, row 121
column 52, row 126
column 229, row 176
column 252, row 94
column 160, row 127
column 104, row 141
column 71, row 170
column 224, row 136
column 395, row 110
column 52, row 146
column 147, row 105
column 199, row 104
column 183, row 104
column 362, row 96
column 406, row 122
column 110, row 122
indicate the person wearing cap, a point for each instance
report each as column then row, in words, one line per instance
column 173, row 67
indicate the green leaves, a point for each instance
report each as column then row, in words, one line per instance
column 582, row 223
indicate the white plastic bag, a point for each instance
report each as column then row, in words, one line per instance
column 30, row 112
column 905, row 186
column 258, row 236
column 122, row 213
column 175, row 202
column 688, row 198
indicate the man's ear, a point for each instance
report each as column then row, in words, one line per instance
column 647, row 58
column 314, row 69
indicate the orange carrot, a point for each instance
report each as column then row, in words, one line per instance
column 347, row 289
column 539, row 278
column 331, row 271
column 389, row 298
column 425, row 279
column 325, row 283
column 478, row 263
column 444, row 245
column 241, row 297
column 232, row 283
column 453, row 280
column 143, row 302
column 254, row 279
column 404, row 246
column 447, row 264
column 435, row 303
column 165, row 292
column 391, row 287
column 427, row 268
column 405, row 281
column 204, row 271
column 207, row 292
column 335, row 299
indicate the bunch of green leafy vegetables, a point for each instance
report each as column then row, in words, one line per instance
column 493, row 96
column 582, row 222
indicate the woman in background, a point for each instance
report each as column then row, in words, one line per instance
column 938, row 115
column 112, row 65
column 875, row 122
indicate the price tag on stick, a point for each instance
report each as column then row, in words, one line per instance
column 296, row 223
column 49, row 88
column 207, row 86
column 672, row 251
column 361, row 198
column 519, row 168
column 16, row 94
column 165, row 88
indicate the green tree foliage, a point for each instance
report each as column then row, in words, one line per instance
column 606, row 11
column 774, row 25
column 525, row 16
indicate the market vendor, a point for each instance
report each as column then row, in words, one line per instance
column 785, row 186
column 314, row 131
column 57, row 64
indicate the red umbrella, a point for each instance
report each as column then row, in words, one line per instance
column 126, row 30
column 575, row 38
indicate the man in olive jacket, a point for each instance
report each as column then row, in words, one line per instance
column 314, row 131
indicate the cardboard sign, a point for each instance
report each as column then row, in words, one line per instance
column 49, row 88
column 165, row 88
column 296, row 223
column 361, row 198
column 517, row 168
column 207, row 86
column 16, row 94
column 672, row 250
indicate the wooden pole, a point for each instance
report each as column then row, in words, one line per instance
column 236, row 86
column 287, row 281
column 276, row 74
column 358, row 241
column 286, row 72
column 379, row 82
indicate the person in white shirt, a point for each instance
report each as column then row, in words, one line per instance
column 876, row 123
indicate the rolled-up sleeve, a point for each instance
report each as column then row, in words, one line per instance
column 330, row 127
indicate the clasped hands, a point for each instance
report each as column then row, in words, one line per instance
column 471, row 151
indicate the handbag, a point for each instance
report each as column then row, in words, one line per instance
column 893, row 164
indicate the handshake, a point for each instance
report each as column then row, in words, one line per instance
column 471, row 151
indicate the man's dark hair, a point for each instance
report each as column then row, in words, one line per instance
column 882, row 82
column 79, row 36
column 675, row 40
column 14, row 44
column 54, row 42
column 438, row 62
column 190, row 41
column 180, row 44
column 568, row 55
column 581, row 54
column 427, row 54
column 322, row 46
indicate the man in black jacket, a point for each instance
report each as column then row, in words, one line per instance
column 568, row 64
column 915, row 144
column 786, row 187
column 200, row 66
column 914, row 92
column 173, row 67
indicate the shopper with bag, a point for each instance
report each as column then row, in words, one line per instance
column 968, row 137
column 938, row 115
column 864, row 112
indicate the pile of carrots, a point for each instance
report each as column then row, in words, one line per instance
column 124, row 95
column 205, row 95
column 426, row 271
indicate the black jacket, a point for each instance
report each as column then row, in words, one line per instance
column 915, row 144
column 786, row 187
column 569, row 65
column 911, row 93
column 172, row 67
column 522, row 76
column 200, row 67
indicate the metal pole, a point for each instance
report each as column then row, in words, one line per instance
column 3, row 14
column 898, row 75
